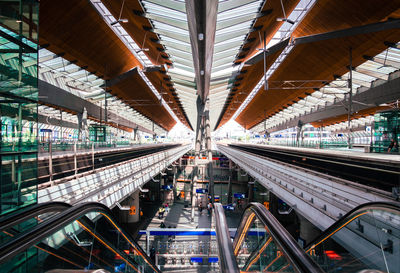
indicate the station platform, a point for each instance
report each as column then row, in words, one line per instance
column 343, row 153
column 379, row 171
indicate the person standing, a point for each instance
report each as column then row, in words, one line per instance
column 393, row 146
column 161, row 211
column 209, row 208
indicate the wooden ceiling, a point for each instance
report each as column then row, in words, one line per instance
column 139, row 28
column 163, row 84
column 265, row 23
column 324, row 59
column 76, row 29
column 328, row 15
column 245, row 82
column 133, row 90
column 320, row 60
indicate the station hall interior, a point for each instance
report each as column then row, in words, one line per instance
column 199, row 136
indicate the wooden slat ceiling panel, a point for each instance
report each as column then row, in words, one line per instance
column 267, row 23
column 75, row 28
column 328, row 15
column 314, row 61
column 135, row 92
column 138, row 27
column 342, row 118
column 249, row 77
column 164, row 86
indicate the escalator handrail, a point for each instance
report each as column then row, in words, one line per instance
column 296, row 255
column 47, row 228
column 227, row 259
column 20, row 216
column 342, row 221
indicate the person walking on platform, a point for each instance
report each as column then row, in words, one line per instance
column 161, row 211
column 209, row 208
column 200, row 207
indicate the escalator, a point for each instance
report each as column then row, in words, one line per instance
column 59, row 238
column 56, row 237
column 367, row 238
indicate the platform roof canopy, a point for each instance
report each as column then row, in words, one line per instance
column 140, row 52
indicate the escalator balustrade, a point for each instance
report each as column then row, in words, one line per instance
column 84, row 237
column 366, row 238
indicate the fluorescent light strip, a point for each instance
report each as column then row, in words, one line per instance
column 121, row 33
column 281, row 57
column 152, row 88
column 133, row 47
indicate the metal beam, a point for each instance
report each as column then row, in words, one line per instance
column 202, row 20
column 56, row 122
column 55, row 96
column 386, row 92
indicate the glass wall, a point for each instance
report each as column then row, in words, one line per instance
column 387, row 131
column 18, row 103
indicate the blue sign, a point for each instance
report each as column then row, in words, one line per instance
column 46, row 130
column 229, row 207
column 213, row 260
column 239, row 195
column 201, row 190
column 167, row 187
column 196, row 260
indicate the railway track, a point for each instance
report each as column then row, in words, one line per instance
column 370, row 173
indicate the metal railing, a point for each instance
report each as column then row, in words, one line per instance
column 292, row 251
column 51, row 226
column 227, row 259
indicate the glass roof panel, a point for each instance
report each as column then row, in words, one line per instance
column 168, row 21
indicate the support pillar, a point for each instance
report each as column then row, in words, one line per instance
column 211, row 179
column 193, row 191
column 251, row 191
column 135, row 133
column 200, row 110
column 174, row 183
column 132, row 215
column 230, row 188
column 350, row 106
column 61, row 136
column 80, row 115
column 308, row 232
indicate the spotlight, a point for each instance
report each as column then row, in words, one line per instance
column 119, row 21
column 280, row 19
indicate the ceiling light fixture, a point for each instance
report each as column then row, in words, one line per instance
column 280, row 19
column 284, row 18
column 119, row 18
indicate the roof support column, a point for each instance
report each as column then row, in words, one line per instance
column 349, row 113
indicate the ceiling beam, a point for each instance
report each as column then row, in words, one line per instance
column 202, row 20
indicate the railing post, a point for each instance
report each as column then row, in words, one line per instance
column 148, row 242
column 75, row 162
column 93, row 155
column 50, row 163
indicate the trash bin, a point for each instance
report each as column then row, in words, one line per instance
column 186, row 203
